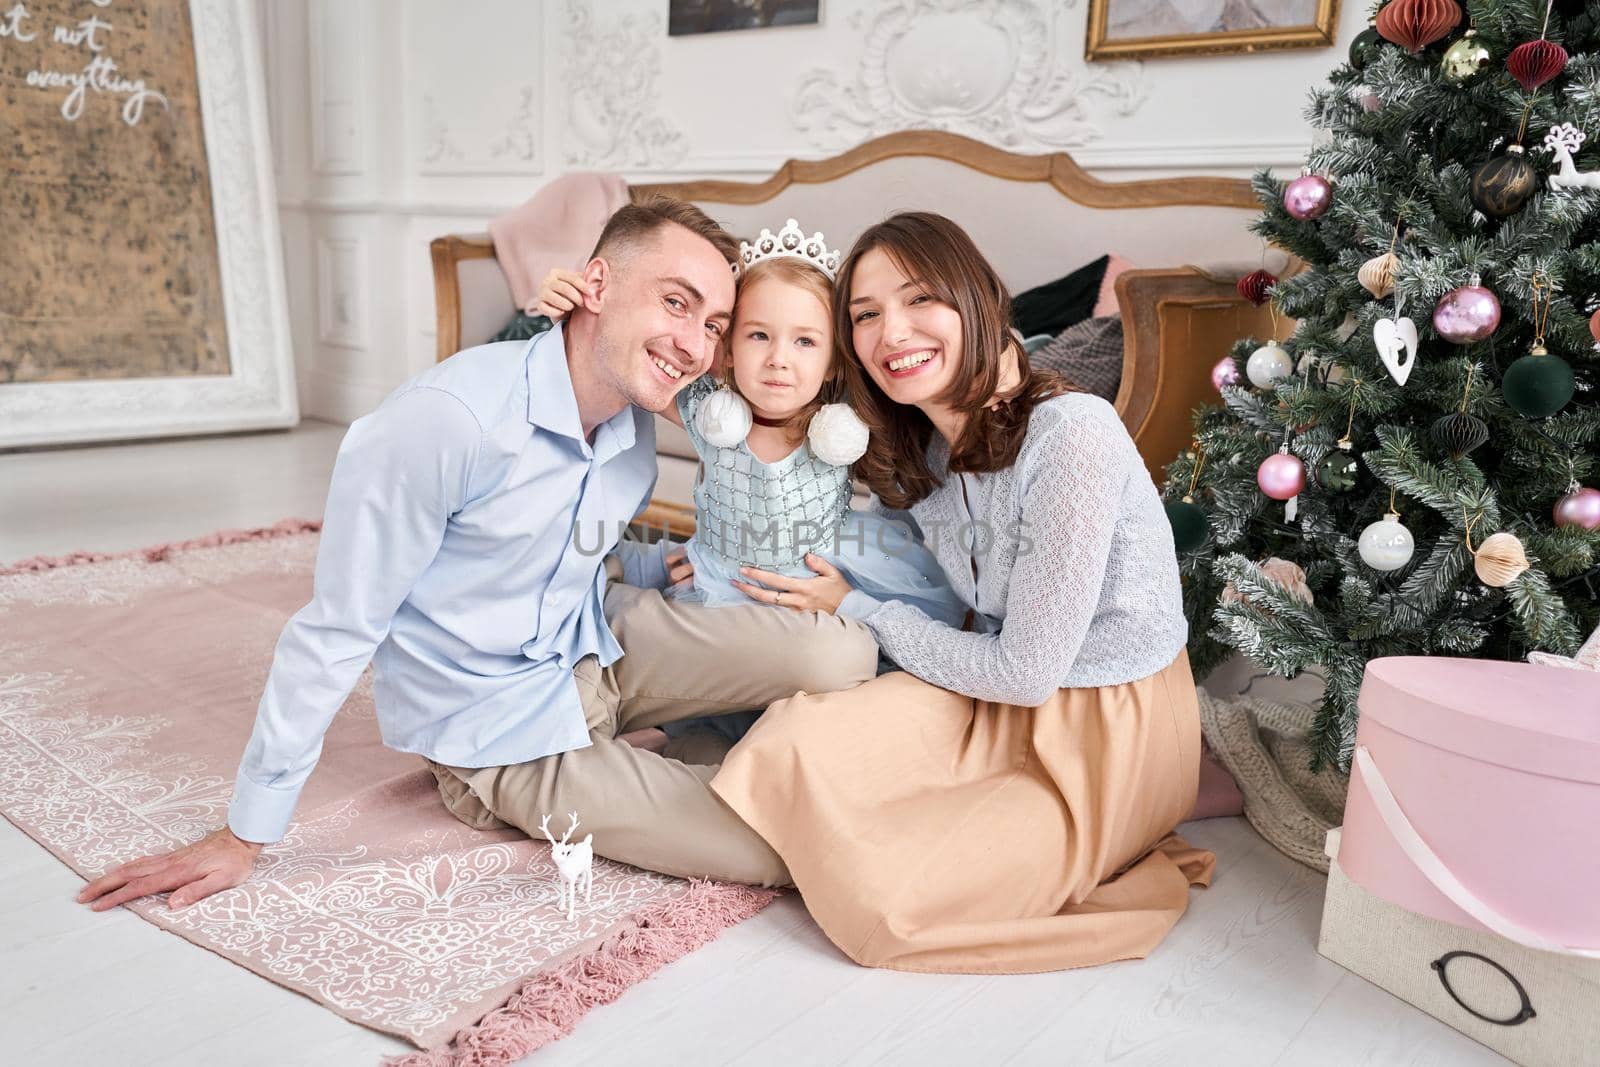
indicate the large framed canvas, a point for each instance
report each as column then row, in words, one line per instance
column 1140, row 29
column 142, row 288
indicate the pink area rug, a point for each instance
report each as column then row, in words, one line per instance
column 128, row 685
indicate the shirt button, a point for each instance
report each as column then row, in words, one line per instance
column 550, row 601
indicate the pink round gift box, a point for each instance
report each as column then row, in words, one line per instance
column 1497, row 767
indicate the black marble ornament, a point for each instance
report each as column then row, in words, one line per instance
column 1503, row 184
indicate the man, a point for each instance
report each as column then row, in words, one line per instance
column 458, row 556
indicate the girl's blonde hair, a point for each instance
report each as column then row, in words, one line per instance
column 796, row 272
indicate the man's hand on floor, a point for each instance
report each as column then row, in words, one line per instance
column 216, row 862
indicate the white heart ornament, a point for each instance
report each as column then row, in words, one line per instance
column 1395, row 338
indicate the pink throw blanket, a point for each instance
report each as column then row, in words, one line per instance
column 557, row 227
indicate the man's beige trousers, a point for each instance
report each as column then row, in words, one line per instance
column 681, row 661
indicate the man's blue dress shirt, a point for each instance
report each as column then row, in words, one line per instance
column 462, row 554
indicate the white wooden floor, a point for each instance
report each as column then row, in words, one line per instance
column 1238, row 982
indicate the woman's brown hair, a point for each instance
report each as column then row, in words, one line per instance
column 939, row 256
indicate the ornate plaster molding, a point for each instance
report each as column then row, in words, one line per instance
column 985, row 68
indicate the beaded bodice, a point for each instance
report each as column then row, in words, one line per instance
column 766, row 515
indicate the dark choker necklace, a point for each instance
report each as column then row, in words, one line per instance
column 759, row 421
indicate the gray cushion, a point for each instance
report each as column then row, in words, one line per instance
column 1088, row 354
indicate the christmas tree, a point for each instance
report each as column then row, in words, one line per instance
column 1427, row 433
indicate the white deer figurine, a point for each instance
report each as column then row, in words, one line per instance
column 1564, row 140
column 574, row 864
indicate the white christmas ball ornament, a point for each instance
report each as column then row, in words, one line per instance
column 1267, row 364
column 723, row 418
column 1386, row 545
column 837, row 435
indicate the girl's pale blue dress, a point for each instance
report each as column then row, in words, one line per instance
column 770, row 515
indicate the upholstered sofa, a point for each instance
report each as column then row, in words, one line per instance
column 1035, row 216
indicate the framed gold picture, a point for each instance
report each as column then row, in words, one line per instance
column 1140, row 29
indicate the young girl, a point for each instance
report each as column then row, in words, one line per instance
column 776, row 444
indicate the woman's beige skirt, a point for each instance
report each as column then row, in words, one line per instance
column 928, row 831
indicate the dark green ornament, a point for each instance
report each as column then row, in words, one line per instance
column 1459, row 433
column 1338, row 471
column 1538, row 384
column 1189, row 525
column 1364, row 49
column 1503, row 184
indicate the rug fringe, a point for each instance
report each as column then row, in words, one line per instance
column 549, row 1005
column 159, row 553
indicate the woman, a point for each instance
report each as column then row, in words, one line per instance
column 1005, row 804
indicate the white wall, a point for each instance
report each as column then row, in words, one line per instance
column 395, row 121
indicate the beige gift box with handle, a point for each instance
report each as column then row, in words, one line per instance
column 1535, row 1007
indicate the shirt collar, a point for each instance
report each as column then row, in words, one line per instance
column 553, row 406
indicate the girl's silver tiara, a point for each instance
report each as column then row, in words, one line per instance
column 789, row 241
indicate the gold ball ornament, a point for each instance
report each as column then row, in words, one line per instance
column 1465, row 59
column 1377, row 274
column 1499, row 560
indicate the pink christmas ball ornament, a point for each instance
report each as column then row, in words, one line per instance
column 1225, row 373
column 1467, row 315
column 1580, row 508
column 1308, row 197
column 1281, row 476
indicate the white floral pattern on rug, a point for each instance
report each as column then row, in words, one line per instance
column 406, row 938
column 417, row 939
column 88, row 783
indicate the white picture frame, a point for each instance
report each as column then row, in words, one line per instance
column 259, row 390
